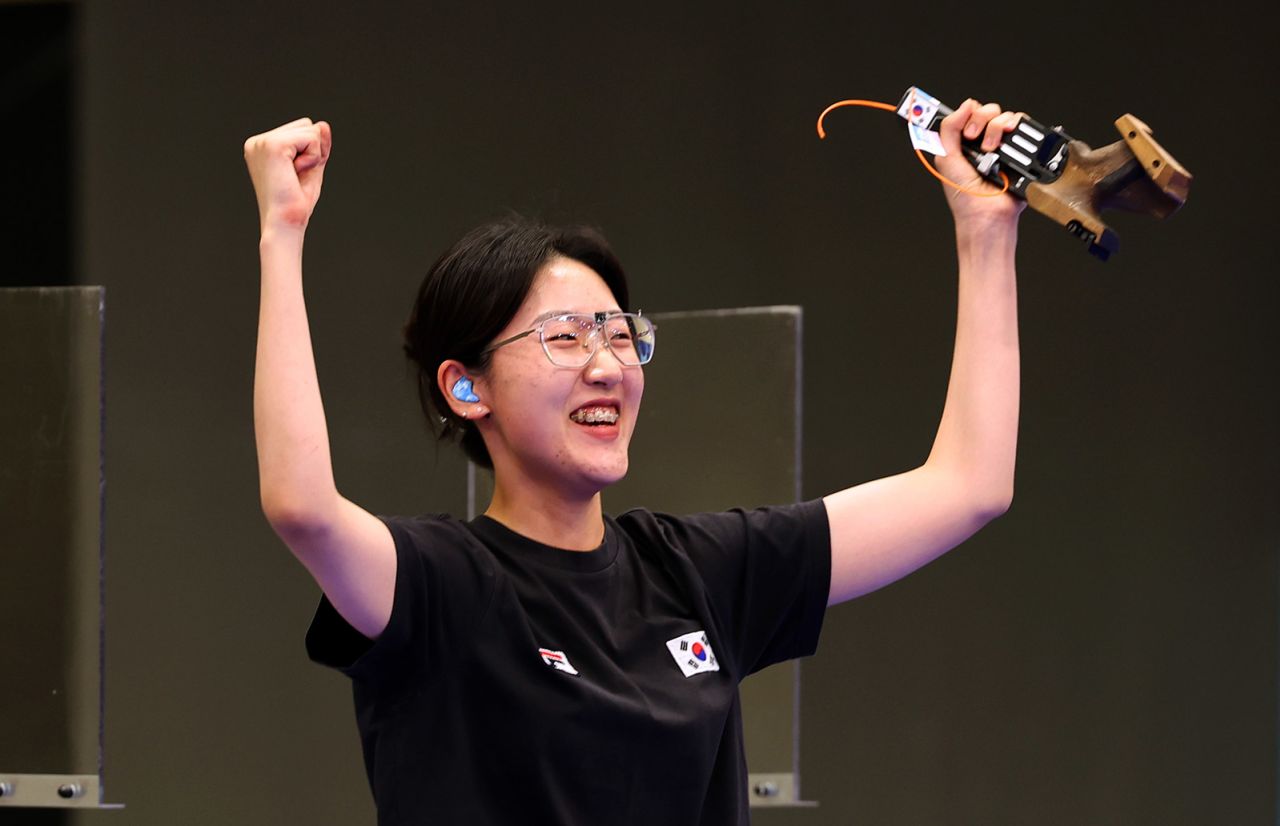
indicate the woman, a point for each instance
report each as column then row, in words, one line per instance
column 546, row 663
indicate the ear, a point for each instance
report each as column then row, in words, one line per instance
column 449, row 374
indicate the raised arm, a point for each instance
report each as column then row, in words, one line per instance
column 885, row 529
column 348, row 551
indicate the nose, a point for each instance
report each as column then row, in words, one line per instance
column 603, row 369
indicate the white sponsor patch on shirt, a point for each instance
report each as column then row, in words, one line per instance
column 692, row 652
column 557, row 660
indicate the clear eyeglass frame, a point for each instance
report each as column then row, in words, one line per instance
column 566, row 349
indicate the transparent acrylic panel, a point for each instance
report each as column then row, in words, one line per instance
column 720, row 428
column 51, row 488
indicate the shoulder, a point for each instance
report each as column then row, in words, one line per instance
column 804, row 522
column 426, row 530
column 443, row 584
column 442, row 568
column 437, row 539
column 726, row 545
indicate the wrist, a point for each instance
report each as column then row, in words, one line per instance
column 988, row 244
column 989, row 230
column 281, row 237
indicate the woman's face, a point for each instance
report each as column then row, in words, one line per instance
column 537, row 431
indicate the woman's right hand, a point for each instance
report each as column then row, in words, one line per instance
column 286, row 166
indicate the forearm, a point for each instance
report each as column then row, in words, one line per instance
column 976, row 440
column 295, row 471
column 885, row 529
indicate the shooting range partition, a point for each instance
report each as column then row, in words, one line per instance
column 51, row 547
column 721, row 428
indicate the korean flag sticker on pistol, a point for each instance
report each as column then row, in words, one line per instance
column 918, row 108
column 692, row 652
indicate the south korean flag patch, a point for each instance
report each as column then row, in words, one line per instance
column 692, row 652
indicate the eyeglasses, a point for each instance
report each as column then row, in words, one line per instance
column 572, row 339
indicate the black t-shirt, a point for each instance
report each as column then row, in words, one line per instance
column 520, row 683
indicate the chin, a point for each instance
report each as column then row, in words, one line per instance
column 613, row 475
column 604, row 475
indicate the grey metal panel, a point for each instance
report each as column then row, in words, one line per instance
column 51, row 500
column 52, row 791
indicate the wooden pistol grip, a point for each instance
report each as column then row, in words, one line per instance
column 1134, row 174
column 1073, row 199
column 1169, row 176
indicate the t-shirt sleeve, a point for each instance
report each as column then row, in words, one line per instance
column 441, row 590
column 767, row 575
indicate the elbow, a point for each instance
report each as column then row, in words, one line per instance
column 977, row 496
column 298, row 524
column 993, row 504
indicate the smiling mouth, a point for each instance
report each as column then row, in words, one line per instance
column 595, row 415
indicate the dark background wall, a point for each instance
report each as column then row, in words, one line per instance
column 1105, row 653
column 38, row 49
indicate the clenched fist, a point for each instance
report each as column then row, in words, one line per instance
column 974, row 121
column 287, row 168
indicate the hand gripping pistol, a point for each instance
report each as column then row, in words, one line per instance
column 1066, row 179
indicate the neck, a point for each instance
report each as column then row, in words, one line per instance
column 575, row 524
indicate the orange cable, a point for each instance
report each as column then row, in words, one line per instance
column 822, row 134
column 966, row 190
column 873, row 104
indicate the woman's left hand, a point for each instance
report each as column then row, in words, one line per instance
column 974, row 120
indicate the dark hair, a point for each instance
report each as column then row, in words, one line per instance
column 472, row 292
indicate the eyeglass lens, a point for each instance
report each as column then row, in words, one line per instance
column 567, row 339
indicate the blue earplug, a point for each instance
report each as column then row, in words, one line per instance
column 462, row 390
